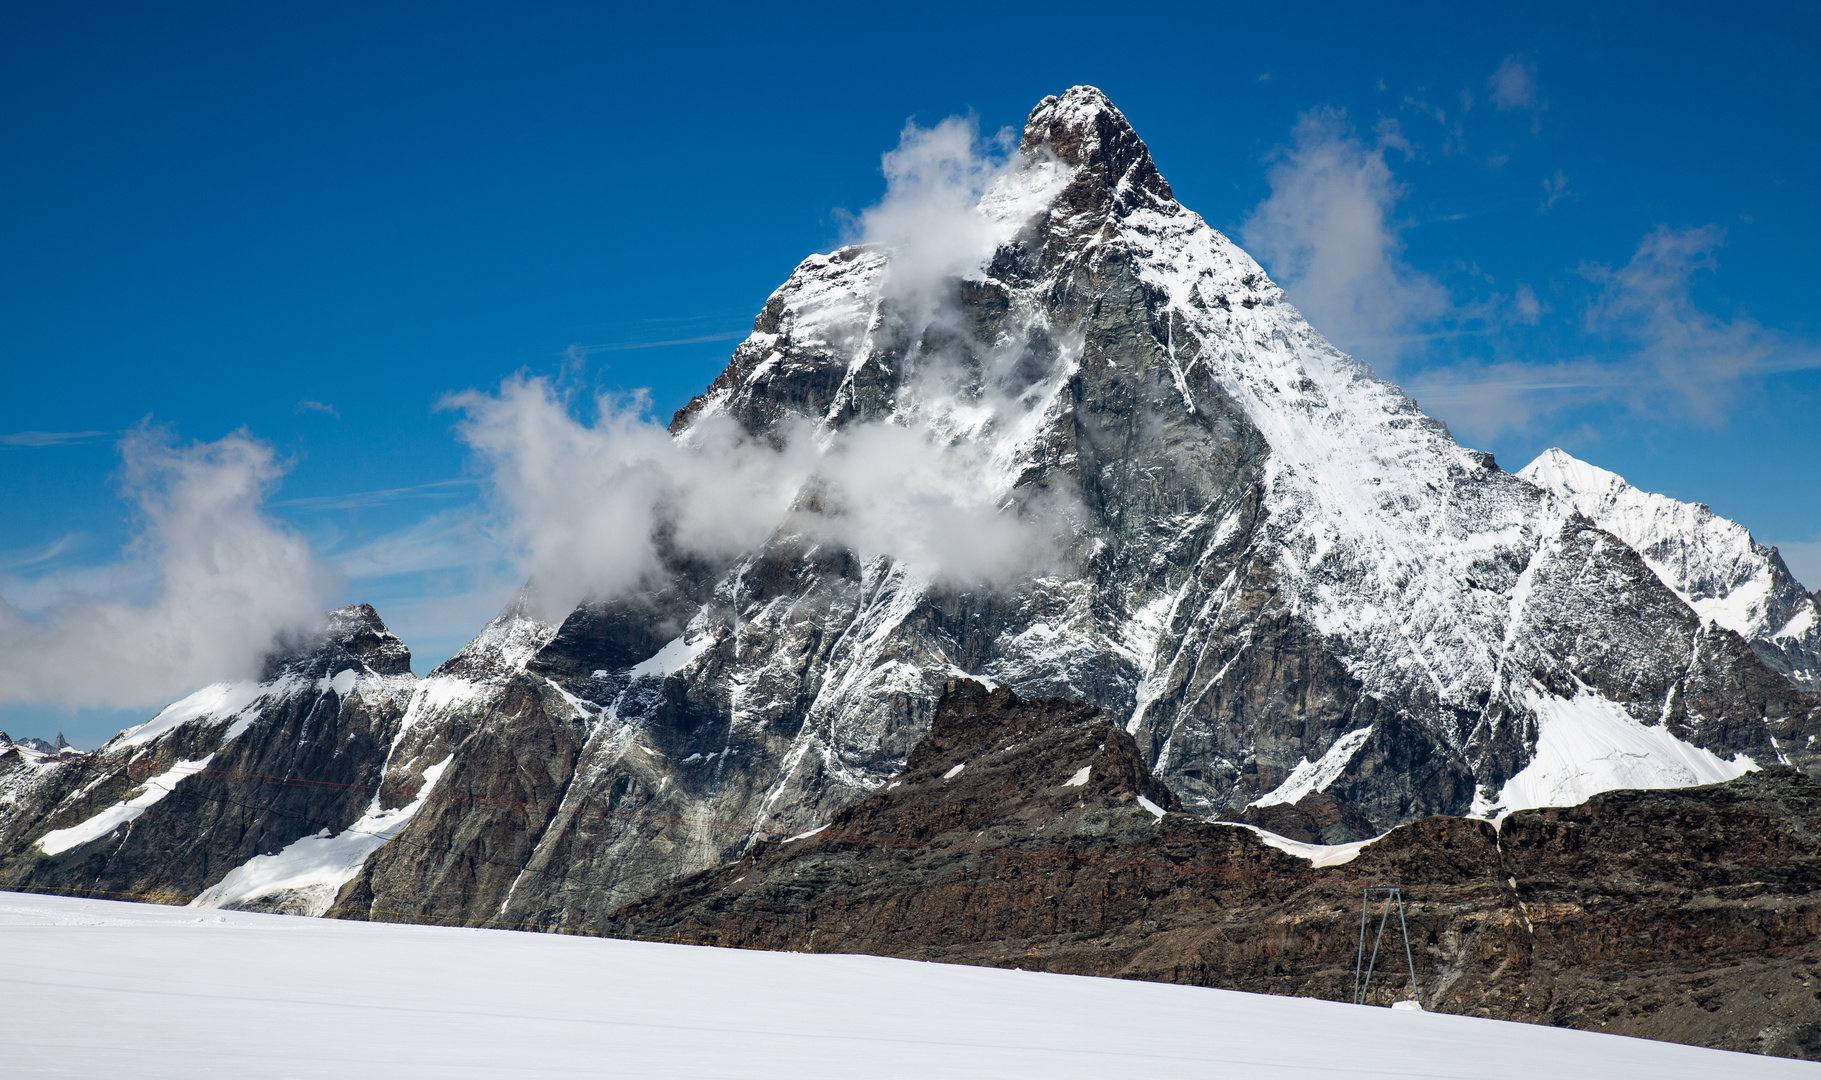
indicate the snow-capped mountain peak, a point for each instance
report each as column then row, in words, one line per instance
column 1260, row 559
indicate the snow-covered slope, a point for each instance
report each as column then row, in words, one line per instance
column 93, row 988
column 1709, row 561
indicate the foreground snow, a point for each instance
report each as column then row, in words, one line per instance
column 96, row 988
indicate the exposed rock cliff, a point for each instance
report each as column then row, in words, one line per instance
column 1019, row 835
column 230, row 777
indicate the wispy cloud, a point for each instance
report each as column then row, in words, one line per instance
column 19, row 559
column 202, row 593
column 624, row 346
column 590, row 508
column 435, row 489
column 1554, row 188
column 450, row 540
column 1664, row 355
column 1513, row 84
column 1327, row 234
column 50, row 438
column 308, row 405
column 1649, row 304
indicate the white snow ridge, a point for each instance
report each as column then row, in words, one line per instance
column 1711, row 563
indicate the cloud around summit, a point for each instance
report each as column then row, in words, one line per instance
column 205, row 588
column 593, row 499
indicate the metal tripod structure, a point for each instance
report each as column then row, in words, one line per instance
column 1393, row 895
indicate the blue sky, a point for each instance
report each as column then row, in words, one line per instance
column 1555, row 224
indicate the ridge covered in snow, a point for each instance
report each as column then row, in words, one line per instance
column 1710, row 562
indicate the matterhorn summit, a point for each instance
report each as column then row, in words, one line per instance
column 1085, row 448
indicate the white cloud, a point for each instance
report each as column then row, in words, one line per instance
column 49, row 438
column 1671, row 357
column 1327, row 235
column 586, row 508
column 951, row 198
column 203, row 592
column 1649, row 304
column 589, row 505
column 1554, row 188
column 1514, row 84
column 1529, row 308
column 450, row 540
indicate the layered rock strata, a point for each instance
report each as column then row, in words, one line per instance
column 1030, row 834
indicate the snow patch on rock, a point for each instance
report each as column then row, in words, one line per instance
column 305, row 877
column 675, row 655
column 1310, row 776
column 58, row 841
column 1319, row 855
column 1587, row 745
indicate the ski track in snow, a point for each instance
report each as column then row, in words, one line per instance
column 99, row 988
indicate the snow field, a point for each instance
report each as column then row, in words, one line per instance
column 100, row 988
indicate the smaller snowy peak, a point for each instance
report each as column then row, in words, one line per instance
column 1709, row 561
column 1712, row 563
column 359, row 629
column 353, row 636
column 37, row 746
column 816, row 321
column 503, row 648
column 354, row 654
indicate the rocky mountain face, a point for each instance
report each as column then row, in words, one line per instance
column 1279, row 575
column 1030, row 834
column 1713, row 564
column 39, row 746
column 224, row 781
column 1301, row 601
